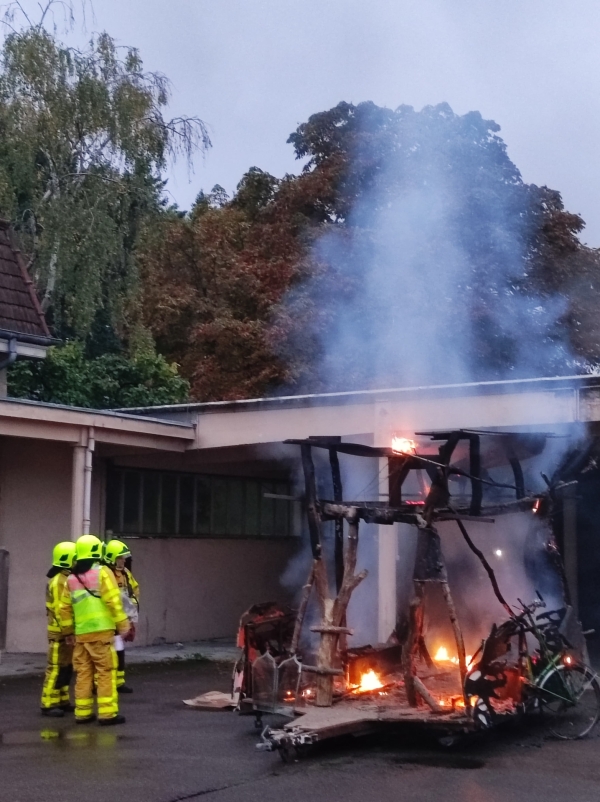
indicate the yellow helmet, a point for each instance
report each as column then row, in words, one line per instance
column 114, row 549
column 63, row 554
column 88, row 547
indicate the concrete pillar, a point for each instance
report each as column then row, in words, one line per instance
column 387, row 551
column 81, row 486
column 3, row 383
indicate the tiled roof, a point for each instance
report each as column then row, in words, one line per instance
column 20, row 310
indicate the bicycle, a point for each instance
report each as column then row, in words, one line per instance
column 553, row 682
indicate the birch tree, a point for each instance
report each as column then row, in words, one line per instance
column 84, row 136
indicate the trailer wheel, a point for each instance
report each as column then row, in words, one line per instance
column 570, row 701
column 448, row 741
column 288, row 753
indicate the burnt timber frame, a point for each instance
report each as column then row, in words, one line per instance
column 429, row 563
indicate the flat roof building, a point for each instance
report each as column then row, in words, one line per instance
column 209, row 492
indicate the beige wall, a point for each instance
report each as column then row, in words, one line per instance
column 35, row 507
column 191, row 589
column 197, row 589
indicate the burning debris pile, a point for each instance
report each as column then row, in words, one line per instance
column 346, row 689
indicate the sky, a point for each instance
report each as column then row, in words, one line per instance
column 254, row 69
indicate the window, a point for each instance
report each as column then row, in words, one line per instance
column 167, row 504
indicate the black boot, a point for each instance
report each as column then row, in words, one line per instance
column 53, row 712
column 124, row 689
column 111, row 722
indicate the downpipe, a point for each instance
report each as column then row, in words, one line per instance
column 87, row 481
column 11, row 357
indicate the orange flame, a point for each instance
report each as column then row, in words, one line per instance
column 402, row 445
column 442, row 656
column 369, row 682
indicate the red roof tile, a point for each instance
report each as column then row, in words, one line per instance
column 20, row 309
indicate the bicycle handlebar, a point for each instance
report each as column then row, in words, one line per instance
column 535, row 604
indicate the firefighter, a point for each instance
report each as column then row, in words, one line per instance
column 91, row 609
column 116, row 555
column 59, row 668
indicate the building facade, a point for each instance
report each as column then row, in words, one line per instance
column 208, row 495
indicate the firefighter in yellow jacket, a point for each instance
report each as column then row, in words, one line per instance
column 91, row 608
column 116, row 555
column 59, row 669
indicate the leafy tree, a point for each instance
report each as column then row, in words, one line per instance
column 454, row 267
column 83, row 138
column 278, row 287
column 210, row 282
column 68, row 376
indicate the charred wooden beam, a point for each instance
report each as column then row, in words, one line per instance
column 398, row 469
column 488, row 568
column 475, row 471
column 370, row 514
column 312, row 505
column 336, row 478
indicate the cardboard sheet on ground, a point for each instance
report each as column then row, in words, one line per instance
column 213, row 700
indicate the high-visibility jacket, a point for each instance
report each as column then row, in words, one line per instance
column 130, row 592
column 126, row 581
column 91, row 604
column 54, row 591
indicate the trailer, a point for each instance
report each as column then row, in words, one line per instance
column 525, row 664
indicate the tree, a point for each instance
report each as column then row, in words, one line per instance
column 454, row 268
column 409, row 250
column 210, row 282
column 83, row 138
column 110, row 381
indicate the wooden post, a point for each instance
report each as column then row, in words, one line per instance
column 334, row 615
column 460, row 643
column 475, row 471
column 336, row 478
column 410, row 647
column 302, row 609
column 333, row 611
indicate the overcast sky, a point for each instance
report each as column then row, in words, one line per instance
column 254, row 69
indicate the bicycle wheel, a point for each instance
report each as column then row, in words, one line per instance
column 570, row 701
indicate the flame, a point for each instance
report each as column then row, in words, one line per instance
column 442, row 656
column 369, row 682
column 402, row 445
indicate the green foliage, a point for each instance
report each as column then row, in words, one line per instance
column 83, row 138
column 109, row 381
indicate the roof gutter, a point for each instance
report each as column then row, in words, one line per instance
column 30, row 339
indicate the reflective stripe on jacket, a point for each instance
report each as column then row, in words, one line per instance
column 91, row 602
column 54, row 592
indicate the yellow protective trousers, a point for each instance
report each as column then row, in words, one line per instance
column 59, row 670
column 95, row 659
column 120, row 668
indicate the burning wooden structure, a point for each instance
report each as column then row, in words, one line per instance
column 358, row 689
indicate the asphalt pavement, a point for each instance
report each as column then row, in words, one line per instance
column 167, row 752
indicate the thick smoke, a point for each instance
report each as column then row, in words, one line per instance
column 429, row 283
column 430, row 269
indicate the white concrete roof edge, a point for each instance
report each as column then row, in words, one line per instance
column 116, row 415
column 290, row 399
